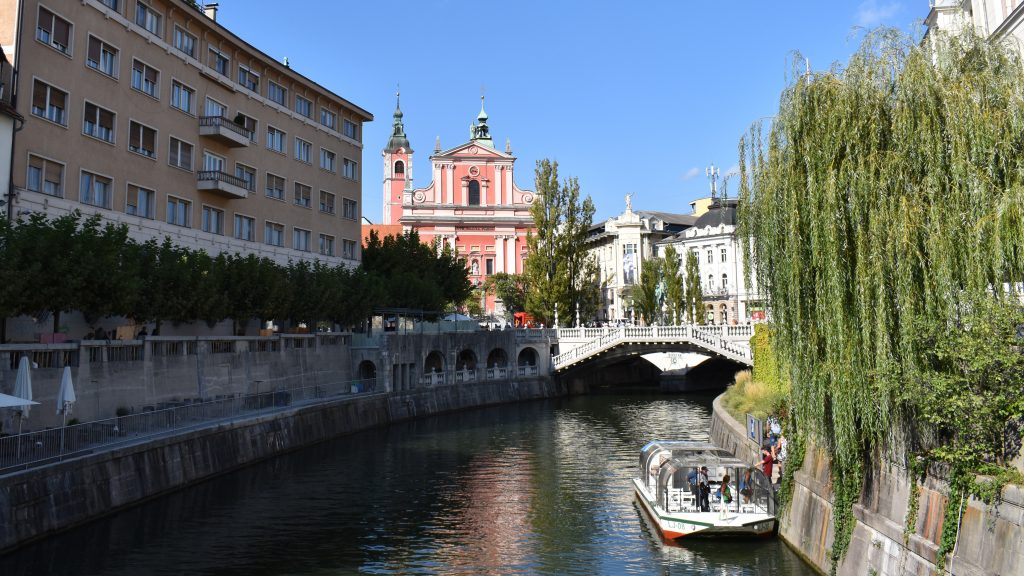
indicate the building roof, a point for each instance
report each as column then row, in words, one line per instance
column 398, row 139
column 669, row 217
column 722, row 212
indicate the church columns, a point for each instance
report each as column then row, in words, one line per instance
column 437, row 178
column 508, row 185
column 499, row 173
column 499, row 251
column 510, row 255
column 485, row 185
column 449, row 185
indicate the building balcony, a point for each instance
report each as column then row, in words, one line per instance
column 226, row 184
column 224, row 131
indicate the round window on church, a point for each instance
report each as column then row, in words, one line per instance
column 474, row 171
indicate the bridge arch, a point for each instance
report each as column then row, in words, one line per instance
column 527, row 357
column 466, row 360
column 434, row 362
column 497, row 358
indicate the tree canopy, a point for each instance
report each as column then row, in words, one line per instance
column 885, row 205
column 558, row 268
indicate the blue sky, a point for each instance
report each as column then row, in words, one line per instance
column 627, row 96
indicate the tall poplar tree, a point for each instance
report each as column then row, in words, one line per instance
column 694, row 293
column 674, row 290
column 559, row 269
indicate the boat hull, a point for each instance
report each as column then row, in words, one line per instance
column 676, row 525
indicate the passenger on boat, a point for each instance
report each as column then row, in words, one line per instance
column 705, row 489
column 766, row 462
column 746, row 486
column 724, row 492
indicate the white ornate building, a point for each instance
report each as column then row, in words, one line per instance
column 996, row 19
column 728, row 298
column 621, row 245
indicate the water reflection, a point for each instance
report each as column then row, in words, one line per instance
column 537, row 488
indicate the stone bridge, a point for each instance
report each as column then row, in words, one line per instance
column 583, row 345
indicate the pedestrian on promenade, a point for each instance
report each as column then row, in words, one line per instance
column 766, row 462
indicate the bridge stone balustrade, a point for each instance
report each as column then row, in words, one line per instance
column 715, row 341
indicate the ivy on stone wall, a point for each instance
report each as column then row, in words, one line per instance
column 885, row 206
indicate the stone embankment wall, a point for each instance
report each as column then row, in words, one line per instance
column 991, row 541
column 36, row 503
column 143, row 374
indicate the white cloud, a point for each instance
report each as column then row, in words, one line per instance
column 871, row 13
column 733, row 170
column 691, row 174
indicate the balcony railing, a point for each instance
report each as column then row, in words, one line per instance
column 227, row 131
column 230, row 185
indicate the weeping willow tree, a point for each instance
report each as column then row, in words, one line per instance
column 884, row 203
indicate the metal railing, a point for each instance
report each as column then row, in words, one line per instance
column 38, row 448
column 222, row 122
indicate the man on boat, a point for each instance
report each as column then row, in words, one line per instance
column 705, row 489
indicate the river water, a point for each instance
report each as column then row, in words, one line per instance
column 535, row 488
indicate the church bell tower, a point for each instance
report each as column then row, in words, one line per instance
column 397, row 168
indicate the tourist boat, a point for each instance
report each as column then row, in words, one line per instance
column 666, row 490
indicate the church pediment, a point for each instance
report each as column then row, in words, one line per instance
column 472, row 150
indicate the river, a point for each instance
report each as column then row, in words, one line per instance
column 535, row 488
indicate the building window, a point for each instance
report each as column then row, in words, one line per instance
column 399, row 167
column 351, row 130
column 141, row 139
column 474, row 193
column 102, row 57
column 215, row 109
column 304, row 106
column 94, row 190
column 711, row 282
column 213, row 220
column 327, row 245
column 275, row 139
column 248, row 78
column 140, row 202
column 489, row 263
column 245, row 228
column 180, row 154
column 275, row 186
column 248, row 175
column 348, row 249
column 53, row 31
column 145, row 79
column 349, row 209
column 147, row 18
column 45, row 176
column 328, row 160
column 302, row 194
column 273, row 234
column 328, row 118
column 725, row 282
column 326, row 202
column 723, row 255
column 185, row 42
column 114, row 5
column 212, row 162
column 350, row 169
column 219, row 62
column 710, row 258
column 248, row 123
column 303, row 151
column 301, row 239
column 179, row 212
column 277, row 93
column 49, row 103
column 98, row 123
column 182, row 97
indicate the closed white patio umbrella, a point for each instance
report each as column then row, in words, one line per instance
column 23, row 389
column 65, row 399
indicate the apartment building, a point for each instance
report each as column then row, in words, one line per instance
column 151, row 114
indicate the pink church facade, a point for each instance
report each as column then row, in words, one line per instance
column 471, row 204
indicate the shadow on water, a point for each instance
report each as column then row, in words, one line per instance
column 533, row 488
